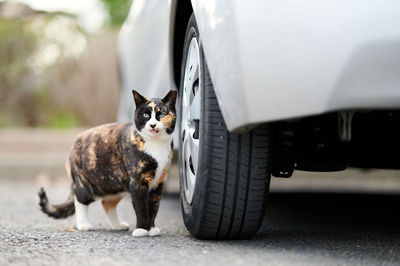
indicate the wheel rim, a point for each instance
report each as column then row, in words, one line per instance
column 190, row 122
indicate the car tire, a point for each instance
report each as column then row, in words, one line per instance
column 232, row 176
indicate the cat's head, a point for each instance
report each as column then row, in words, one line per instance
column 154, row 116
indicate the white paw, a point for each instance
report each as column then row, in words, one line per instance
column 84, row 226
column 121, row 226
column 154, row 231
column 139, row 232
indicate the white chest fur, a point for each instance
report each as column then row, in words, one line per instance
column 160, row 151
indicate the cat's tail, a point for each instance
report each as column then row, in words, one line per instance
column 59, row 211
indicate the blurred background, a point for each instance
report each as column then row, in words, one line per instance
column 58, row 76
column 59, row 62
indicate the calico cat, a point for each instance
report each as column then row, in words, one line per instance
column 114, row 159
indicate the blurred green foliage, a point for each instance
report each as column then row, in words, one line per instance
column 62, row 120
column 52, row 74
column 118, row 10
column 24, row 98
column 16, row 45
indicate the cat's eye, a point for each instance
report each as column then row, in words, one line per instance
column 146, row 115
column 163, row 114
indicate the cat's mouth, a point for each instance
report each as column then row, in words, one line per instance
column 154, row 131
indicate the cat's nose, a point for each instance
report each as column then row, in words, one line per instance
column 153, row 125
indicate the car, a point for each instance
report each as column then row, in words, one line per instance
column 265, row 88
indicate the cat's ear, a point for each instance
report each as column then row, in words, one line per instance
column 139, row 99
column 170, row 98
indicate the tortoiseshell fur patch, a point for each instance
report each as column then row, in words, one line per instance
column 105, row 159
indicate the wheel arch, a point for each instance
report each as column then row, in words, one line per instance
column 180, row 17
column 216, row 26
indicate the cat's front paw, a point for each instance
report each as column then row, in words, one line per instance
column 139, row 232
column 154, row 231
column 84, row 226
column 122, row 226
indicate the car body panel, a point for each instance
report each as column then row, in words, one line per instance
column 143, row 51
column 276, row 60
column 273, row 60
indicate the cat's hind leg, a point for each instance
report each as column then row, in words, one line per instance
column 82, row 198
column 110, row 208
column 81, row 213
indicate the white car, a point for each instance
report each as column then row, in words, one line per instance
column 265, row 87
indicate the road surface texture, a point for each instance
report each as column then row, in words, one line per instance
column 347, row 218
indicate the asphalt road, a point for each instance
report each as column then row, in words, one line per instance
column 347, row 218
column 299, row 228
